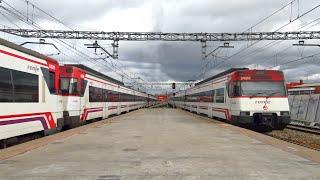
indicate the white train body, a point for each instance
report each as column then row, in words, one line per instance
column 91, row 95
column 26, row 103
column 39, row 95
column 242, row 96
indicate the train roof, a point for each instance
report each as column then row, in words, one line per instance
column 26, row 50
column 97, row 74
column 220, row 75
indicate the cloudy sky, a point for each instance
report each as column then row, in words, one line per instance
column 178, row 61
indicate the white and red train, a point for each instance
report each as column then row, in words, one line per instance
column 256, row 98
column 39, row 95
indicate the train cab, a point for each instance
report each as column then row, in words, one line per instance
column 72, row 89
column 259, row 97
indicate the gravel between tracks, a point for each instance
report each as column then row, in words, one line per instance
column 298, row 137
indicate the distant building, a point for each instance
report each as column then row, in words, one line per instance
column 297, row 88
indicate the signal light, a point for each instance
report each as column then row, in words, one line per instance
column 173, row 85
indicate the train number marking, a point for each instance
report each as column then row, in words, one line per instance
column 245, row 78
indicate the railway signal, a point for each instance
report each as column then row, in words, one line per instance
column 173, row 85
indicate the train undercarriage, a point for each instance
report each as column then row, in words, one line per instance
column 262, row 121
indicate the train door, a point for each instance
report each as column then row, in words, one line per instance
column 230, row 91
column 82, row 86
column 53, row 102
column 72, row 89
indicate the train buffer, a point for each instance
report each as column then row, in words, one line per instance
column 159, row 143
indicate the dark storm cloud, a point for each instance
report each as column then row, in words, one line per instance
column 234, row 16
column 76, row 11
column 181, row 61
column 214, row 16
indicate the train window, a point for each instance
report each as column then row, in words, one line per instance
column 95, row 94
column 52, row 79
column 91, row 94
column 83, row 85
column 26, row 87
column 189, row 98
column 105, row 95
column 130, row 98
column 127, row 99
column 234, row 89
column 263, row 88
column 69, row 86
column 74, row 86
column 64, row 85
column 219, row 98
column 213, row 92
column 113, row 96
column 137, row 98
column 6, row 91
column 121, row 97
column 237, row 89
column 207, row 96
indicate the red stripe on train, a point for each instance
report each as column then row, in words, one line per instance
column 225, row 111
column 48, row 115
column 21, row 57
column 90, row 110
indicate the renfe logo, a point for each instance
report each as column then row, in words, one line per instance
column 33, row 68
column 265, row 107
column 262, row 102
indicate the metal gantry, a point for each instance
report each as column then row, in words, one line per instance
column 168, row 85
column 161, row 36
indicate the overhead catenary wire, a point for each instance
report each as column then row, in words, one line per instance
column 66, row 25
column 24, row 19
column 250, row 29
column 8, row 19
column 296, row 60
column 273, row 43
column 300, row 16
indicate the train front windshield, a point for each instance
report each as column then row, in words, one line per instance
column 68, row 85
column 260, row 88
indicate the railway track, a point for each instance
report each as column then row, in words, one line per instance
column 297, row 142
column 302, row 136
column 304, row 129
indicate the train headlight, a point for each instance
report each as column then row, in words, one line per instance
column 284, row 113
column 244, row 113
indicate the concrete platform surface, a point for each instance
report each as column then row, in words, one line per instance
column 158, row 144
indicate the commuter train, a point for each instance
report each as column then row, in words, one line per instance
column 254, row 98
column 37, row 95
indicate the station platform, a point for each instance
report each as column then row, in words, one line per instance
column 159, row 144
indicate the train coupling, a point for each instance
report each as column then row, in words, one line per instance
column 264, row 119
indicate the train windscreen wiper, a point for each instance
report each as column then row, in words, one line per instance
column 273, row 93
column 257, row 93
